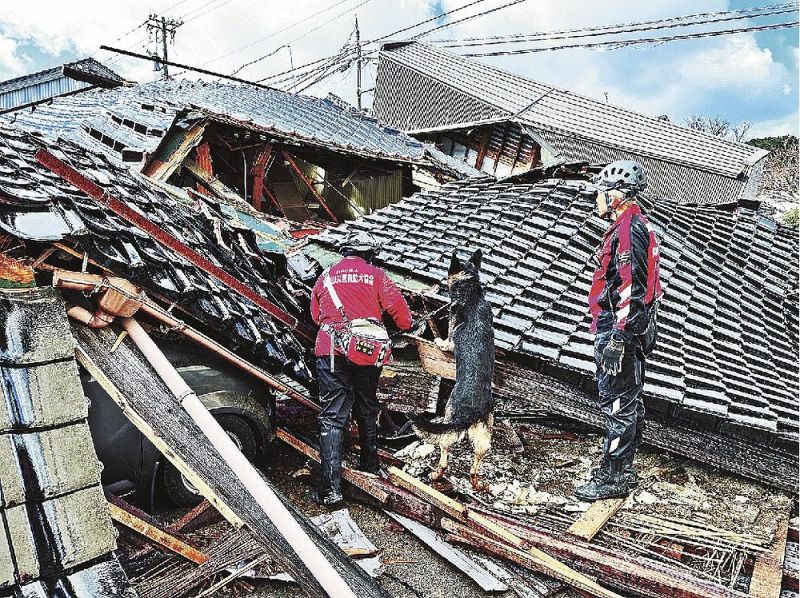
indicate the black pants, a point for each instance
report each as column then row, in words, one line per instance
column 347, row 388
column 621, row 398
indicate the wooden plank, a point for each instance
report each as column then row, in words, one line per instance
column 768, row 568
column 544, row 562
column 592, row 521
column 345, row 533
column 634, row 575
column 452, row 507
column 155, row 534
column 359, row 479
column 454, row 556
column 309, row 184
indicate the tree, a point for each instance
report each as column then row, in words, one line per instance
column 718, row 126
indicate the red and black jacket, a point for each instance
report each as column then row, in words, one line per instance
column 626, row 283
column 365, row 292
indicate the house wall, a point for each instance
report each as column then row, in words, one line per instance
column 39, row 91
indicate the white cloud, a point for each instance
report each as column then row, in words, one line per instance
column 775, row 127
column 11, row 63
column 735, row 62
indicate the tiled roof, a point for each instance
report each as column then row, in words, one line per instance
column 422, row 87
column 52, row 509
column 728, row 323
column 137, row 118
column 88, row 70
column 569, row 112
column 35, row 204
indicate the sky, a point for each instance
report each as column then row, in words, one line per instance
column 750, row 77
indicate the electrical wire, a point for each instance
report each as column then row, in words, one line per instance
column 213, row 8
column 585, row 31
column 470, row 17
column 274, row 33
column 630, row 42
column 309, row 32
column 614, row 30
column 373, row 41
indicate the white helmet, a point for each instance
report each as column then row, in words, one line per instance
column 360, row 242
column 622, row 174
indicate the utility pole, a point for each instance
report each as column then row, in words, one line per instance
column 358, row 66
column 161, row 27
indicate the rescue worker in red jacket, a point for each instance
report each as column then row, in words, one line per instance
column 363, row 291
column 623, row 301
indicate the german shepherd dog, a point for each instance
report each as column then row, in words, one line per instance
column 470, row 408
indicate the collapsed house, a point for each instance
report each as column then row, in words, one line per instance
column 291, row 155
column 724, row 370
column 505, row 124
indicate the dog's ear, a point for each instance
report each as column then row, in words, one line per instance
column 455, row 265
column 475, row 260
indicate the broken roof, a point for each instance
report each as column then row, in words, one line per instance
column 136, row 118
column 57, row 529
column 37, row 205
column 421, row 87
column 728, row 322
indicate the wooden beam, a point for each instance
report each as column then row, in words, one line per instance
column 309, row 184
column 482, row 149
column 203, row 159
column 161, row 166
column 361, row 480
column 260, row 163
column 544, row 562
column 592, row 521
column 768, row 569
column 526, row 558
column 155, row 534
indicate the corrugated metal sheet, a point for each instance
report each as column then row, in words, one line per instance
column 39, row 91
column 421, row 87
column 369, row 194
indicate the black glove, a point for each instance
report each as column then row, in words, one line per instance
column 611, row 363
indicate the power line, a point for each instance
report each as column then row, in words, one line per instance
column 273, row 34
column 609, row 30
column 326, row 68
column 584, row 30
column 470, row 17
column 325, row 24
column 630, row 42
column 373, row 41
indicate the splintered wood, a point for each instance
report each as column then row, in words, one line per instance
column 768, row 568
column 593, row 520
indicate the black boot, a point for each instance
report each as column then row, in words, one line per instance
column 368, row 439
column 609, row 482
column 630, row 473
column 330, row 448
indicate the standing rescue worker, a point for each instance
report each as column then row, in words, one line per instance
column 623, row 301
column 347, row 294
